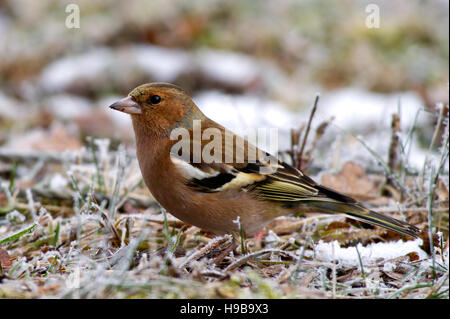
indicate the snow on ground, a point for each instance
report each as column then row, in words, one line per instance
column 370, row 114
column 61, row 73
column 9, row 106
column 165, row 64
column 355, row 111
column 99, row 65
column 354, row 108
column 66, row 106
column 228, row 67
column 242, row 113
column 370, row 254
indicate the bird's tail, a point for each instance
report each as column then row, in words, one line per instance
column 358, row 212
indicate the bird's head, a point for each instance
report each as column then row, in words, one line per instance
column 158, row 106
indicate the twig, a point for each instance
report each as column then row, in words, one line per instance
column 123, row 261
column 108, row 221
column 308, row 127
column 393, row 160
column 213, row 273
column 214, row 243
column 433, row 141
column 385, row 166
column 430, row 223
column 444, row 156
column 407, row 146
column 295, row 141
column 253, row 255
column 320, row 131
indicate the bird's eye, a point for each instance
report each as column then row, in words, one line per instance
column 155, row 99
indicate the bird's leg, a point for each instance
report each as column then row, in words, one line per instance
column 258, row 236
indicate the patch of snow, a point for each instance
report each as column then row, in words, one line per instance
column 9, row 107
column 370, row 254
column 66, row 106
column 389, row 266
column 242, row 113
column 160, row 64
column 228, row 67
column 164, row 64
column 356, row 108
column 58, row 181
column 62, row 72
column 370, row 114
column 15, row 217
column 103, row 147
column 272, row 238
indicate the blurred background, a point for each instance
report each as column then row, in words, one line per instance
column 73, row 207
column 246, row 64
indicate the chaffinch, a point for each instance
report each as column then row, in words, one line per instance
column 234, row 190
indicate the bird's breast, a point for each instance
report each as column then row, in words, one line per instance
column 216, row 212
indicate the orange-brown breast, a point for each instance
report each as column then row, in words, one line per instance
column 211, row 211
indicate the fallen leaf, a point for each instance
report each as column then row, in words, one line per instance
column 426, row 241
column 3, row 200
column 413, row 256
column 337, row 225
column 270, row 271
column 5, row 260
column 351, row 180
column 393, row 276
column 286, row 225
column 442, row 190
column 55, row 139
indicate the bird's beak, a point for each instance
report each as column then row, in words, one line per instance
column 126, row 105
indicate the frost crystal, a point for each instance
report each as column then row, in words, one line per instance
column 15, row 217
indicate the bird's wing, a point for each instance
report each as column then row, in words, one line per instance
column 269, row 179
column 244, row 167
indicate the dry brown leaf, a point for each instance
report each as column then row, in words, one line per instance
column 286, row 225
column 306, row 279
column 337, row 225
column 5, row 260
column 352, row 180
column 3, row 200
column 393, row 276
column 99, row 122
column 270, row 271
column 346, row 275
column 442, row 190
column 413, row 256
column 426, row 241
column 95, row 123
column 55, row 139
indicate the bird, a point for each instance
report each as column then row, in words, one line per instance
column 235, row 192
